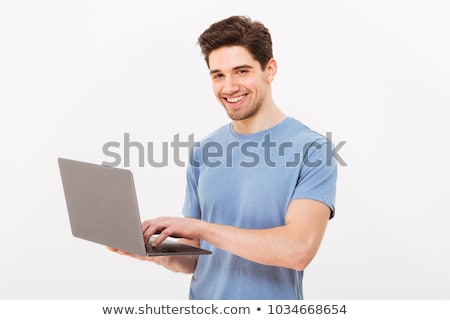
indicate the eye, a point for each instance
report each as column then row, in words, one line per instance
column 217, row 76
column 242, row 71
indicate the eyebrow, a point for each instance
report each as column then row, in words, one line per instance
column 244, row 66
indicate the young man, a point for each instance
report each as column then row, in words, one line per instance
column 260, row 190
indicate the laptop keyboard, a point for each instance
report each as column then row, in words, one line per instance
column 151, row 249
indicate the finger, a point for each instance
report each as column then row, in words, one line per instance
column 121, row 252
column 146, row 224
column 153, row 227
column 135, row 256
column 150, row 231
column 161, row 237
column 129, row 254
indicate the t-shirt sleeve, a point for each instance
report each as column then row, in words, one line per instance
column 191, row 207
column 318, row 175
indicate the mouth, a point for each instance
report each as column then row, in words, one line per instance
column 234, row 101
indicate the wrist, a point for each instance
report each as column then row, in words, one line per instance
column 202, row 229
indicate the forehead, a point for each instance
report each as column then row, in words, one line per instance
column 228, row 58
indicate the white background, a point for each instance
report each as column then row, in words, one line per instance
column 75, row 75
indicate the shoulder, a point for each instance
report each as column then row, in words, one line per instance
column 301, row 134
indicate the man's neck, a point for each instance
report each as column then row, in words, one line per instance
column 263, row 120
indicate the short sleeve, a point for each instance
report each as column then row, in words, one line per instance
column 318, row 175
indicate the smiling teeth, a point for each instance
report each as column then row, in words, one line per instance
column 235, row 99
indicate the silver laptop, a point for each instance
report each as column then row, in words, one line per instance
column 103, row 208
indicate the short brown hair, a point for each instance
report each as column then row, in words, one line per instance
column 238, row 31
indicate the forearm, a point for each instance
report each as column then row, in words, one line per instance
column 266, row 246
column 292, row 245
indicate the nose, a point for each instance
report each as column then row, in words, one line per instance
column 230, row 86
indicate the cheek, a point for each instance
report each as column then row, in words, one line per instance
column 250, row 84
column 216, row 89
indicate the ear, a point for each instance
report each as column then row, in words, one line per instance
column 271, row 70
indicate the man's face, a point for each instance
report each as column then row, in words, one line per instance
column 238, row 81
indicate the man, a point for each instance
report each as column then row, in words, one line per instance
column 260, row 190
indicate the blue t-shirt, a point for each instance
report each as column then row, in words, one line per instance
column 248, row 181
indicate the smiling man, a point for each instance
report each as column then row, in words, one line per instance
column 262, row 220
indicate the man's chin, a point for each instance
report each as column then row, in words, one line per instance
column 240, row 115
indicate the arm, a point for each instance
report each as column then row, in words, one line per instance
column 292, row 245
